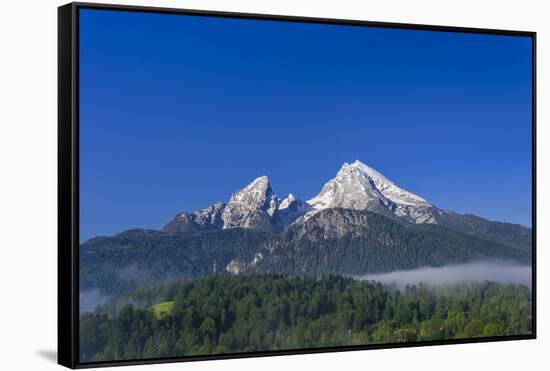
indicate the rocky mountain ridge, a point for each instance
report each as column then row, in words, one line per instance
column 356, row 186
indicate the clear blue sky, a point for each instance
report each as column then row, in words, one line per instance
column 177, row 112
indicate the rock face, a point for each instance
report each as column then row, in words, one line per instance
column 200, row 220
column 254, row 206
column 331, row 224
column 290, row 209
column 359, row 187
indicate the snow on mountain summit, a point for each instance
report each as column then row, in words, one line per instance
column 292, row 208
column 287, row 201
column 251, row 207
column 358, row 186
column 388, row 188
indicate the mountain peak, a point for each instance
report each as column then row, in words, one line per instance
column 261, row 182
column 358, row 186
column 256, row 191
column 292, row 208
column 364, row 169
column 287, row 201
column 251, row 207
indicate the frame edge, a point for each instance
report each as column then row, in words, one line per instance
column 299, row 18
column 68, row 163
column 67, row 350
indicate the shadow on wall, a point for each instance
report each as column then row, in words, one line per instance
column 50, row 355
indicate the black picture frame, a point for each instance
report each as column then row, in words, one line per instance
column 68, row 180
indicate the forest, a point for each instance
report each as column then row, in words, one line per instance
column 242, row 313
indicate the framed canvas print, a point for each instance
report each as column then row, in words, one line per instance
column 236, row 185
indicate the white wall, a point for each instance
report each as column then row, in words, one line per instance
column 28, row 150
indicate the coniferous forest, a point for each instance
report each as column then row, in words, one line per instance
column 243, row 313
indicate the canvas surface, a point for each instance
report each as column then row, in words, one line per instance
column 255, row 185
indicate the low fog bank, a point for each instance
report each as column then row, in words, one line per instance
column 481, row 271
column 89, row 300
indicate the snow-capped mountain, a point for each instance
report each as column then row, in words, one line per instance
column 360, row 187
column 356, row 186
column 254, row 206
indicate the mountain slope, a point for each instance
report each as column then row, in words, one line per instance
column 509, row 234
column 339, row 241
column 345, row 241
column 140, row 257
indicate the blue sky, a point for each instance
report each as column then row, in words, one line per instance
column 177, row 112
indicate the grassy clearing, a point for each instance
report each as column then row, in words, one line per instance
column 163, row 309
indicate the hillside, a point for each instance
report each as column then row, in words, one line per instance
column 231, row 314
column 337, row 241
